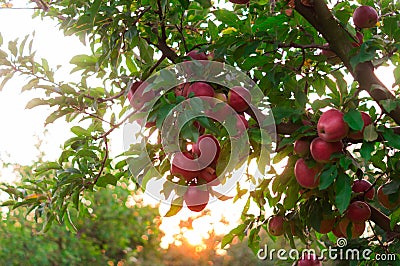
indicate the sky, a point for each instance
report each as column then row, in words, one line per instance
column 21, row 128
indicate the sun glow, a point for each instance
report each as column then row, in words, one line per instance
column 193, row 237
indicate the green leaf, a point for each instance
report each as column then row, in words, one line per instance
column 370, row 133
column 227, row 17
column 227, row 239
column 184, row 3
column 389, row 104
column 47, row 166
column 392, row 138
column 107, row 179
column 343, row 192
column 79, row 131
column 394, row 218
column 204, row 3
column 12, row 46
column 327, row 177
column 176, row 206
column 30, row 85
column 366, row 150
column 354, row 120
column 36, row 102
column 57, row 114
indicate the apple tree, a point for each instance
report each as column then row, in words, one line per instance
column 310, row 64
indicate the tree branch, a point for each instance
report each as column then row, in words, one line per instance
column 340, row 41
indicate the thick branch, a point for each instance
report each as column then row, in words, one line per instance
column 340, row 41
column 383, row 222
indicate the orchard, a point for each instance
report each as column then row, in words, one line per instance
column 274, row 103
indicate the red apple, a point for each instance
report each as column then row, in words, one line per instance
column 183, row 164
column 357, row 229
column 196, row 55
column 331, row 126
column 289, row 12
column 360, row 134
column 199, row 127
column 363, row 185
column 221, row 96
column 196, row 199
column 301, row 147
column 326, row 225
column 241, row 124
column 275, row 225
column 365, row 17
column 360, row 38
column 239, row 98
column 136, row 95
column 207, row 148
column 309, row 260
column 307, row 177
column 150, row 124
column 208, row 174
column 240, row 2
column 331, row 56
column 201, row 89
column 358, row 211
column 181, row 89
column 336, row 231
column 322, row 151
column 385, row 201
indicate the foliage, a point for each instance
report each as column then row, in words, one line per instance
column 115, row 229
column 278, row 44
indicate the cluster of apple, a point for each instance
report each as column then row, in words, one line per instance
column 363, row 17
column 331, row 130
column 198, row 165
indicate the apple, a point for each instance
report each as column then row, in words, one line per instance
column 326, row 226
column 385, row 201
column 322, row 151
column 201, row 89
column 196, row 199
column 181, row 89
column 331, row 127
column 357, row 229
column 308, row 260
column 184, row 164
column 150, row 124
column 331, row 56
column 360, row 134
column 239, row 98
column 199, row 127
column 196, row 55
column 289, row 12
column 207, row 148
column 365, row 17
column 136, row 95
column 240, row 2
column 208, row 174
column 221, row 96
column 360, row 38
column 363, row 185
column 336, row 231
column 358, row 211
column 307, row 177
column 301, row 147
column 275, row 225
column 241, row 124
